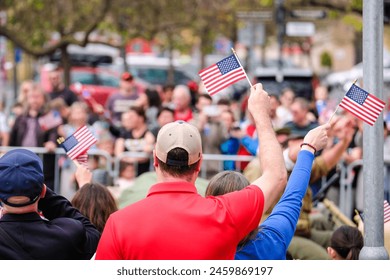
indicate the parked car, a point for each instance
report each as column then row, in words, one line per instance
column 97, row 83
column 300, row 80
column 155, row 70
column 339, row 82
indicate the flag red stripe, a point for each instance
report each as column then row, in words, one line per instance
column 82, row 147
column 357, row 114
column 226, row 80
column 206, row 69
column 211, row 72
column 365, row 108
column 85, row 140
column 358, row 110
column 211, row 79
column 218, row 78
column 375, row 105
column 352, row 104
column 386, row 211
column 214, row 81
column 223, row 86
column 377, row 99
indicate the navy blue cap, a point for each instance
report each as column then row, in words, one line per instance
column 21, row 174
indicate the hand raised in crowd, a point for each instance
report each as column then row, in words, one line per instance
column 50, row 146
column 83, row 175
column 318, row 137
column 343, row 128
column 258, row 102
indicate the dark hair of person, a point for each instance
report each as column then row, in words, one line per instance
column 162, row 109
column 154, row 99
column 123, row 164
column 226, row 182
column 203, row 95
column 273, row 95
column 347, row 241
column 185, row 171
column 303, row 102
column 224, row 101
column 95, row 202
column 139, row 111
column 168, row 87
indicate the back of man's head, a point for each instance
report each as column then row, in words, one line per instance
column 21, row 176
column 178, row 148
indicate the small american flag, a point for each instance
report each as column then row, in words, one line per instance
column 386, row 211
column 222, row 74
column 79, row 143
column 50, row 120
column 362, row 104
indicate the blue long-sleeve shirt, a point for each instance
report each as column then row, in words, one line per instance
column 276, row 232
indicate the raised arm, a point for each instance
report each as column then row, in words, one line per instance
column 274, row 176
column 285, row 214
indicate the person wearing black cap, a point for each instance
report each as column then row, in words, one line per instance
column 36, row 223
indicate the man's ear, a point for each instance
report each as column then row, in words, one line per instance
column 332, row 253
column 43, row 193
column 199, row 165
column 155, row 161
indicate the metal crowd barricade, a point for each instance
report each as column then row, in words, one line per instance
column 203, row 172
column 133, row 155
column 221, row 159
column 346, row 201
column 112, row 164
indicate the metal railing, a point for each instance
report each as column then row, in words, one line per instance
column 112, row 166
column 112, row 163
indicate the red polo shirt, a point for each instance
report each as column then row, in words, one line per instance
column 174, row 222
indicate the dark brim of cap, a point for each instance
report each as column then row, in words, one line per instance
column 32, row 201
column 283, row 130
column 296, row 136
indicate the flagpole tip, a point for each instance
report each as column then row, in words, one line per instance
column 60, row 140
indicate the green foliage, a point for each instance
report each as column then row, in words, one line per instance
column 355, row 21
column 357, row 4
column 326, row 59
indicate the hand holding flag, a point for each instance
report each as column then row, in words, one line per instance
column 77, row 145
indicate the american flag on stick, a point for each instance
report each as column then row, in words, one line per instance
column 222, row 74
column 386, row 211
column 362, row 104
column 77, row 145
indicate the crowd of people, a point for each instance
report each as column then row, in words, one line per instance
column 260, row 209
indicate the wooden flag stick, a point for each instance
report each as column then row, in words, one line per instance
column 331, row 117
column 76, row 163
column 338, row 106
column 235, row 54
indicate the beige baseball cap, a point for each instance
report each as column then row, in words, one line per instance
column 179, row 134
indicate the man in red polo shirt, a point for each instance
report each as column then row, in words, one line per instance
column 174, row 222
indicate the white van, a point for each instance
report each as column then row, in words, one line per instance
column 155, row 70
